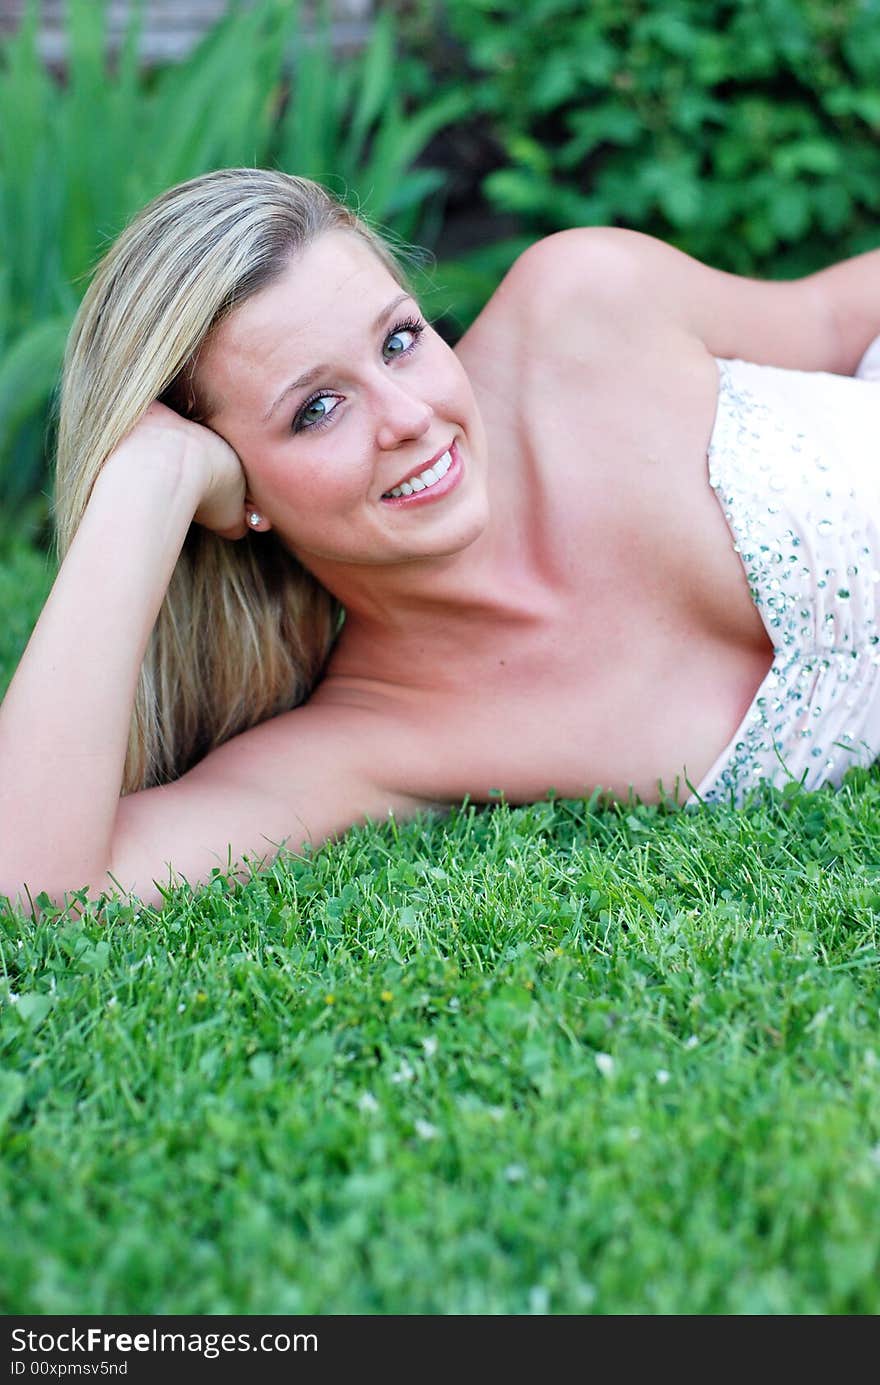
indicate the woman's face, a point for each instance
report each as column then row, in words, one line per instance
column 355, row 422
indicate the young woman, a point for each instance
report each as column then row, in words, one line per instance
column 545, row 585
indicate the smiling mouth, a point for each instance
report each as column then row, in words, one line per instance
column 422, row 480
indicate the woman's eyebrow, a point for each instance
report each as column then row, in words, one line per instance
column 303, row 381
column 300, row 383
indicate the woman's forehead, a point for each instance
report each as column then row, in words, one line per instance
column 337, row 272
column 326, row 296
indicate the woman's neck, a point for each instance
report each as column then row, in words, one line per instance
column 434, row 614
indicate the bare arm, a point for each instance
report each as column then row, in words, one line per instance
column 825, row 321
column 302, row 777
column 852, row 292
column 64, row 722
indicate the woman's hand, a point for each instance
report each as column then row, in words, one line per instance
column 163, row 433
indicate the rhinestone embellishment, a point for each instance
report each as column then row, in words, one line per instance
column 794, row 460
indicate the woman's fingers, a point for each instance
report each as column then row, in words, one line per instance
column 222, row 483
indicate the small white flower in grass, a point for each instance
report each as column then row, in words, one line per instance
column 820, row 1018
column 496, row 1113
column 111, row 1002
column 430, row 1046
column 539, row 1299
column 405, row 1073
column 605, row 1063
column 12, row 997
column 181, row 1007
column 692, row 1042
column 514, row 1173
column 662, row 1076
column 425, row 1130
column 367, row 1103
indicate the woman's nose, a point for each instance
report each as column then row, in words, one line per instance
column 400, row 416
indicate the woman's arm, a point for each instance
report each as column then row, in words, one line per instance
column 64, row 722
column 851, row 291
column 302, row 776
column 825, row 321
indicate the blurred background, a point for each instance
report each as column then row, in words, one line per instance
column 743, row 131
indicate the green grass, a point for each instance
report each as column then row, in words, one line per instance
column 560, row 1059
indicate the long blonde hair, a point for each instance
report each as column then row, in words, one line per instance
column 244, row 631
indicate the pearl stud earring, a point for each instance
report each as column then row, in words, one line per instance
column 254, row 519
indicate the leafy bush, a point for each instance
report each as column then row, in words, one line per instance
column 744, row 131
column 78, row 158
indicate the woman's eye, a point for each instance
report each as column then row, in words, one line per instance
column 403, row 339
column 316, row 411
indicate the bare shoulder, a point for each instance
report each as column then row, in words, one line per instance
column 599, row 265
column 585, row 254
column 642, row 287
column 588, row 299
column 302, row 777
column 594, row 293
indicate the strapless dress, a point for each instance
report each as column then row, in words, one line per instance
column 794, row 460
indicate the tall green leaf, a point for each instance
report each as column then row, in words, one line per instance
column 28, row 373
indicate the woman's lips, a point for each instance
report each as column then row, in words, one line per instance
column 437, row 489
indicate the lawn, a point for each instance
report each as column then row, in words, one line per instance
column 561, row 1059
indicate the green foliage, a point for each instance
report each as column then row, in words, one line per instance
column 78, row 158
column 352, row 129
column 26, row 576
column 744, row 131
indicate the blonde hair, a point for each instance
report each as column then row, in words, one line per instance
column 244, row 630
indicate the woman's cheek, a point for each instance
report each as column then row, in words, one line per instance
column 452, row 390
column 331, row 481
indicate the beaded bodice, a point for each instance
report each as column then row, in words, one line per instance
column 794, row 459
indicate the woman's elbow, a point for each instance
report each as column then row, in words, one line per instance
column 30, row 892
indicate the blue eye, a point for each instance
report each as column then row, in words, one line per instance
column 397, row 344
column 402, row 339
column 315, row 412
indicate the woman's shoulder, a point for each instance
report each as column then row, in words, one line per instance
column 585, row 295
column 603, row 264
column 597, row 277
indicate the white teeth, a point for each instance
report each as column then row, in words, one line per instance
column 429, row 477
